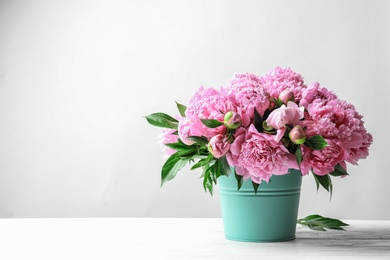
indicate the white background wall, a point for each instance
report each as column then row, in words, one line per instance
column 76, row 77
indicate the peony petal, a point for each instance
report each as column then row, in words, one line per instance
column 356, row 141
column 279, row 134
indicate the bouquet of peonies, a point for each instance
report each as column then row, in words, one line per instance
column 262, row 126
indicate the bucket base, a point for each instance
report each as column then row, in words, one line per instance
column 260, row 240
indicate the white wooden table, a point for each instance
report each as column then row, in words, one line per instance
column 155, row 238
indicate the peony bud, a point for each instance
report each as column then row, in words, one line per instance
column 297, row 135
column 232, row 120
column 286, row 95
column 266, row 127
column 218, row 145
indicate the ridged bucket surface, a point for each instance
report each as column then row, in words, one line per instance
column 268, row 216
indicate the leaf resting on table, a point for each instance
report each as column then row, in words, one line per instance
column 320, row 223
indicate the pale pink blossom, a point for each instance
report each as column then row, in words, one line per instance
column 279, row 79
column 315, row 92
column 333, row 118
column 235, row 147
column 285, row 115
column 323, row 161
column 261, row 157
column 355, row 154
column 358, row 145
column 359, row 141
column 209, row 103
column 190, row 126
column 248, row 94
column 167, row 136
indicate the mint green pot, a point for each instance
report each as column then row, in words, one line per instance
column 268, row 216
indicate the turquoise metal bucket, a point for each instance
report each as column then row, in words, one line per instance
column 268, row 216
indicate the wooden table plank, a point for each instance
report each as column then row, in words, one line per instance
column 181, row 238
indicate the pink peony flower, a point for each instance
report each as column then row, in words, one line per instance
column 333, row 118
column 285, row 115
column 327, row 118
column 315, row 92
column 167, row 136
column 309, row 125
column 210, row 103
column 359, row 140
column 248, row 94
column 323, row 161
column 218, row 145
column 235, row 147
column 355, row 154
column 358, row 145
column 261, row 157
column 279, row 79
column 190, row 126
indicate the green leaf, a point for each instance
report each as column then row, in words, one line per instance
column 171, row 167
column 255, row 186
column 298, row 156
column 211, row 123
column 199, row 139
column 180, row 146
column 208, row 181
column 213, row 172
column 316, row 142
column 162, row 120
column 278, row 103
column 182, row 149
column 240, row 180
column 315, row 227
column 258, row 121
column 320, row 223
column 339, row 171
column 182, row 109
column 224, row 167
column 325, row 181
column 203, row 162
